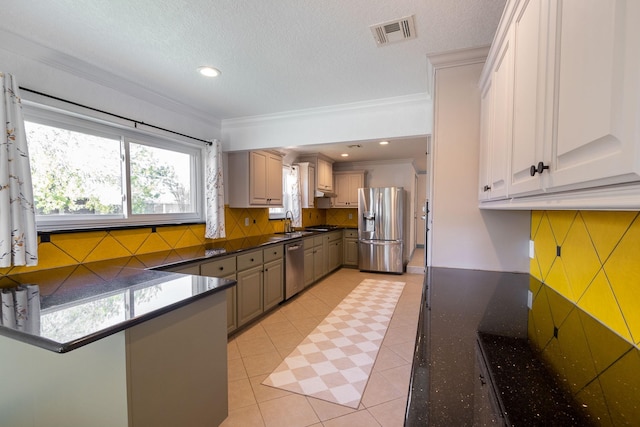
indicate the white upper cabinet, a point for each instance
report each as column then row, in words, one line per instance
column 571, row 112
column 307, row 183
column 595, row 139
column 255, row 179
column 346, row 188
column 325, row 175
column 530, row 99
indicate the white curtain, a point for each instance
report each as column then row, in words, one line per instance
column 215, row 228
column 296, row 196
column 18, row 235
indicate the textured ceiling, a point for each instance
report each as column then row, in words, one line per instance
column 275, row 56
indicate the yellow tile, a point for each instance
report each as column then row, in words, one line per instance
column 172, row 235
column 606, row 346
column 545, row 247
column 553, row 356
column 559, row 305
column 541, row 314
column 536, row 218
column 108, row 248
column 131, row 238
column 78, row 245
column 557, row 279
column 188, row 239
column 579, row 257
column 198, row 230
column 579, row 367
column 623, row 271
column 560, row 223
column 600, row 302
column 606, row 229
column 153, row 243
column 621, row 387
column 592, row 400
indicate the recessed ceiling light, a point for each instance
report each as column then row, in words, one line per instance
column 344, row 155
column 209, row 71
column 384, row 142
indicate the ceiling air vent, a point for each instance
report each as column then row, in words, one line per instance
column 394, row 31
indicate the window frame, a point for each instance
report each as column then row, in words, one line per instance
column 58, row 117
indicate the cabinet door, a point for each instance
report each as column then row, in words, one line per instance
column 325, row 175
column 530, row 99
column 318, row 263
column 500, row 146
column 308, row 266
column 351, row 252
column 232, row 322
column 258, row 187
column 355, row 181
column 274, row 179
column 249, row 294
column 486, row 134
column 341, row 185
column 273, row 284
column 596, row 135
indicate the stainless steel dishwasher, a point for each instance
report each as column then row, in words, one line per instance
column 294, row 268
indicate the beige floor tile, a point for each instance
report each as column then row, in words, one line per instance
column 306, row 326
column 262, row 364
column 327, row 410
column 232, row 350
column 240, row 394
column 287, row 341
column 357, row 419
column 387, row 359
column 249, row 416
column 288, row 411
column 398, row 335
column 235, row 370
column 279, row 328
column 404, row 350
column 274, row 317
column 256, row 346
column 262, row 392
column 380, row 390
column 399, row 377
column 390, row 414
column 252, row 332
column 296, row 312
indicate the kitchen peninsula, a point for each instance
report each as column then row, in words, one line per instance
column 140, row 348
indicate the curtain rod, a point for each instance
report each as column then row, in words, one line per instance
column 135, row 122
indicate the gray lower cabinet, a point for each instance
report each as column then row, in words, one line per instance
column 273, row 279
column 249, row 294
column 334, row 250
column 318, row 262
column 226, row 269
column 350, row 248
column 308, row 265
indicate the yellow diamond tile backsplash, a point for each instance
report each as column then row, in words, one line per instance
column 585, row 318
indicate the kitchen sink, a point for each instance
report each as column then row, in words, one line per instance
column 293, row 234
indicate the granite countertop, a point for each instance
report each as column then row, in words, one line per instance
column 527, row 392
column 82, row 303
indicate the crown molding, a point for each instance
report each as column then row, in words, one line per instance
column 418, row 98
column 456, row 58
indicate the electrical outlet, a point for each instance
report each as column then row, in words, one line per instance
column 529, row 300
column 246, row 222
column 532, row 253
column 350, row 216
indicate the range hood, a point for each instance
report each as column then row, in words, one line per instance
column 325, row 194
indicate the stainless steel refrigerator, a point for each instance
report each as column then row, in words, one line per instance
column 381, row 229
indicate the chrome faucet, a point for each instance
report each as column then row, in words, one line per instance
column 287, row 222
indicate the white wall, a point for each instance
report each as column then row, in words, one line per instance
column 463, row 236
column 386, row 118
column 73, row 80
column 421, row 191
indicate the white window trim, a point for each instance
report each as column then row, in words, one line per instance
column 49, row 115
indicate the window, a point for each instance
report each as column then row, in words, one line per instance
column 288, row 179
column 88, row 174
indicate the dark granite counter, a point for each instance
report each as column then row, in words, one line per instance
column 455, row 305
column 80, row 304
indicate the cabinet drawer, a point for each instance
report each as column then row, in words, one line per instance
column 272, row 253
column 249, row 260
column 319, row 239
column 219, row 268
column 335, row 236
column 309, row 242
column 351, row 234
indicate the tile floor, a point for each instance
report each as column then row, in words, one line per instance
column 256, row 351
